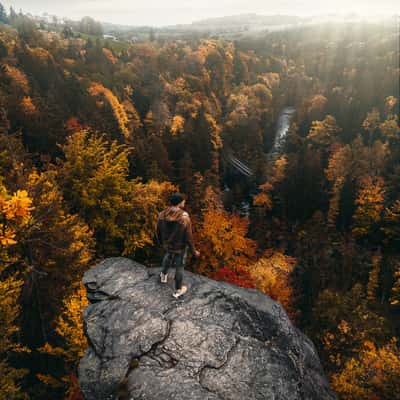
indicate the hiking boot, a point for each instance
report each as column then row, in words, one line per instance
column 180, row 292
column 164, row 277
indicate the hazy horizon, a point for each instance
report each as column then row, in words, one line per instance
column 156, row 13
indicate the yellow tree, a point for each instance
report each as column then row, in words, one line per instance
column 390, row 128
column 324, row 132
column 69, row 327
column 15, row 212
column 59, row 244
column 369, row 204
column 342, row 322
column 271, row 274
column 373, row 374
column 95, row 179
column 10, row 377
column 263, row 199
column 391, row 230
column 339, row 166
column 49, row 247
column 178, row 124
column 248, row 109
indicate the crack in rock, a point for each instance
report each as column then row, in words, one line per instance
column 207, row 366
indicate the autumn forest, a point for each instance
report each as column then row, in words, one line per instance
column 95, row 134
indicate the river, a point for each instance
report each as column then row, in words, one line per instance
column 282, row 128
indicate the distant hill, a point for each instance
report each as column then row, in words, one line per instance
column 249, row 19
column 242, row 22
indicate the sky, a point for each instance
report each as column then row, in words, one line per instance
column 171, row 12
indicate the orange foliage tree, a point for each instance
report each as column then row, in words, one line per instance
column 18, row 78
column 98, row 90
column 222, row 241
column 316, row 103
column 27, row 106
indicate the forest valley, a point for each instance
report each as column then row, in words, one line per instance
column 96, row 134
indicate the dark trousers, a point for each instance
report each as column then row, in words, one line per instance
column 176, row 260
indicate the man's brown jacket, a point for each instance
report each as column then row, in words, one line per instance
column 174, row 230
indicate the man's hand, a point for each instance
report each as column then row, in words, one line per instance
column 197, row 253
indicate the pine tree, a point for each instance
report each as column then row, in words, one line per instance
column 3, row 15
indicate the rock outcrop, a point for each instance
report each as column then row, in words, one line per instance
column 217, row 342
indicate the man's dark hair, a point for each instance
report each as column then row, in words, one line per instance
column 176, row 198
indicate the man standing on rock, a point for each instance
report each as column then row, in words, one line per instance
column 174, row 232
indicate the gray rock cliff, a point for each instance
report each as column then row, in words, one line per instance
column 217, row 342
